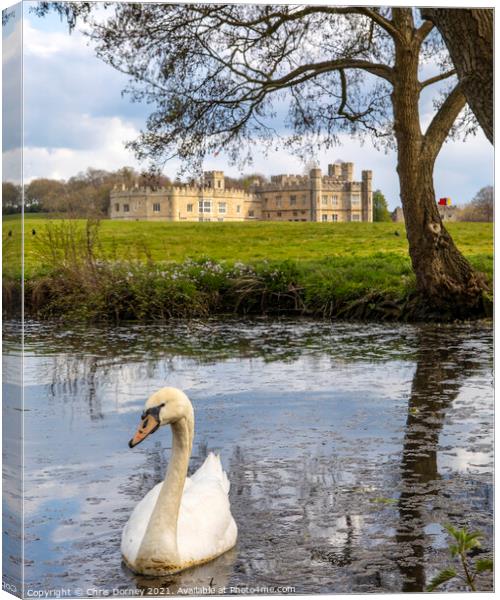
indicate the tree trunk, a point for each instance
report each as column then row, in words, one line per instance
column 445, row 279
column 468, row 35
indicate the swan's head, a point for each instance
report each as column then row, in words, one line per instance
column 165, row 406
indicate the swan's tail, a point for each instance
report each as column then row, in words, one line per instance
column 212, row 468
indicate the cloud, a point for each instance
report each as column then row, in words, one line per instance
column 75, row 116
column 103, row 149
column 12, row 85
column 12, row 165
column 68, row 90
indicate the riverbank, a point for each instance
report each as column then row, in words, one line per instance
column 78, row 271
column 380, row 288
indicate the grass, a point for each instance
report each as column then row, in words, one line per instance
column 253, row 242
column 156, row 270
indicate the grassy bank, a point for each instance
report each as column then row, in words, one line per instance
column 142, row 270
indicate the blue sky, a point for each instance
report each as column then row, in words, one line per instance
column 76, row 117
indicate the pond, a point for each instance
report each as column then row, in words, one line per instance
column 348, row 447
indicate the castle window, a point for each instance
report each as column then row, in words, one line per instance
column 126, row 208
column 265, row 201
column 250, row 213
column 355, row 218
column 293, row 200
column 238, row 208
column 335, row 218
column 205, row 206
column 156, row 207
column 324, row 217
column 335, row 200
column 302, row 212
column 220, row 219
column 117, row 207
column 189, row 208
column 278, row 201
column 304, row 199
column 219, row 183
column 355, row 200
column 222, row 207
column 324, row 200
column 295, row 213
column 278, row 214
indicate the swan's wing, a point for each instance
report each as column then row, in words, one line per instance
column 212, row 469
column 206, row 527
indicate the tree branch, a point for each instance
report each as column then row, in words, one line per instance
column 437, row 78
column 343, row 103
column 424, row 30
column 442, row 122
column 313, row 69
column 379, row 20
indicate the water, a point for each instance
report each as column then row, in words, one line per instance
column 348, row 448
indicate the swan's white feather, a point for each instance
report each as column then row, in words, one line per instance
column 205, row 526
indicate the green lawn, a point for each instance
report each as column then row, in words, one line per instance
column 249, row 242
column 151, row 271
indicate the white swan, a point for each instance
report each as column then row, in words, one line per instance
column 183, row 521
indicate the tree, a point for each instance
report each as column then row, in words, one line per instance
column 11, row 198
column 215, row 74
column 380, row 208
column 468, row 34
column 48, row 194
column 481, row 207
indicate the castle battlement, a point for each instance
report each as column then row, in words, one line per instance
column 287, row 197
column 182, row 190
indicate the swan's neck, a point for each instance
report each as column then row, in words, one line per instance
column 159, row 545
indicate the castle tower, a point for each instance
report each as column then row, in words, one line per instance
column 214, row 179
column 347, row 171
column 367, row 196
column 335, row 170
column 316, row 187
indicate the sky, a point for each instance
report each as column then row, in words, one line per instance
column 76, row 117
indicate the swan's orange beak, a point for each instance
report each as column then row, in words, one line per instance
column 148, row 425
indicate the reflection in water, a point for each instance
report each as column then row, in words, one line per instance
column 211, row 578
column 344, row 455
column 443, row 364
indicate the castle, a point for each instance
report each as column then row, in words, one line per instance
column 334, row 197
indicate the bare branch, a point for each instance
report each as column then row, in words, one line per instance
column 424, row 30
column 379, row 20
column 436, row 78
column 311, row 70
column 343, row 104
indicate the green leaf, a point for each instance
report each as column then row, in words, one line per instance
column 472, row 539
column 452, row 531
column 441, row 578
column 484, row 564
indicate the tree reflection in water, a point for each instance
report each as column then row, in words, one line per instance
column 442, row 366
